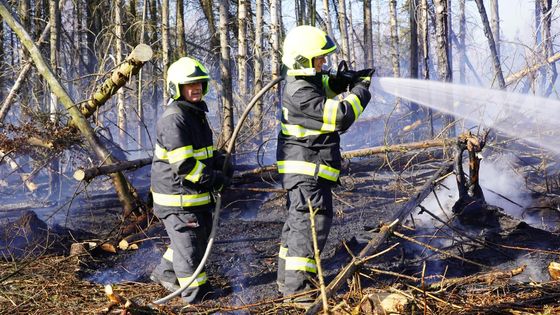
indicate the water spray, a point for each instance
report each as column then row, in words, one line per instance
column 531, row 118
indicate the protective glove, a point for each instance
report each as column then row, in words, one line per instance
column 220, row 181
column 343, row 75
column 363, row 77
column 220, row 160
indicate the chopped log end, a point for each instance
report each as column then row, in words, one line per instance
column 554, row 270
column 113, row 298
column 123, row 245
column 79, row 175
column 142, row 53
column 109, row 248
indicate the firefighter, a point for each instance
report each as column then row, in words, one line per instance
column 185, row 170
column 308, row 152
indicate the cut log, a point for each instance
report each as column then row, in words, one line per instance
column 378, row 239
column 118, row 79
column 90, row 173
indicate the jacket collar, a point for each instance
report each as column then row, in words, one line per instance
column 198, row 106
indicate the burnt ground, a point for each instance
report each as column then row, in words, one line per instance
column 242, row 266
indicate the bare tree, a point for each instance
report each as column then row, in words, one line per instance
column 442, row 51
column 258, row 62
column 225, row 66
column 413, row 15
column 492, row 44
column 180, row 28
column 121, row 110
column 329, row 27
column 343, row 30
column 547, row 45
column 462, row 47
column 242, row 48
column 394, row 38
column 495, row 24
column 275, row 31
column 164, row 44
column 368, row 36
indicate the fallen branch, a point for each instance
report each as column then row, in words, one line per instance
column 520, row 74
column 487, row 277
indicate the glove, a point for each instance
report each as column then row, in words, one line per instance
column 363, row 77
column 220, row 160
column 220, row 181
column 343, row 75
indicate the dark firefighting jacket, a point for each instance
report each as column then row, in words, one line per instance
column 184, row 167
column 309, row 141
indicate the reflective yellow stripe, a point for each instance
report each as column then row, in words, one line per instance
column 183, row 153
column 328, row 172
column 329, row 115
column 200, row 280
column 308, row 168
column 196, row 172
column 168, row 255
column 301, row 263
column 160, row 152
column 299, row 131
column 181, row 200
column 356, row 104
column 283, row 252
column 330, row 93
column 180, row 154
column 204, row 153
column 296, row 167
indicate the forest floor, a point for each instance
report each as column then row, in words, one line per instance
column 242, row 266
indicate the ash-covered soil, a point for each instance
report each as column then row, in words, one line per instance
column 242, row 266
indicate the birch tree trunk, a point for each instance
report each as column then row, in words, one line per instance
column 225, row 66
column 242, row 49
column 343, row 30
column 257, row 121
column 54, row 19
column 312, row 12
column 207, row 7
column 426, row 55
column 413, row 15
column 180, row 28
column 442, row 50
column 394, row 38
column 495, row 24
column 492, row 44
column 121, row 110
column 462, row 47
column 352, row 39
column 368, row 37
column 328, row 22
column 165, row 46
column 275, row 38
column 121, row 185
column 300, row 7
column 547, row 45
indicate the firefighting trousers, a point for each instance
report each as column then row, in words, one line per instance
column 188, row 233
column 296, row 262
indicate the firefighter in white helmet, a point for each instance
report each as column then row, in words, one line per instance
column 185, row 170
column 308, row 153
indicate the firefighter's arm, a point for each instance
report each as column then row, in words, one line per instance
column 334, row 115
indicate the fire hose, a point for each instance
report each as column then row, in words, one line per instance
column 217, row 196
column 341, row 71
